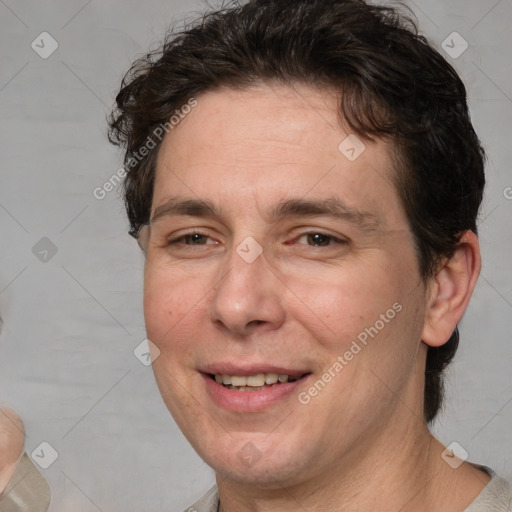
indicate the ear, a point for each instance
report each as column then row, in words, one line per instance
column 450, row 290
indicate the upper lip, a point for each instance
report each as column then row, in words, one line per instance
column 250, row 369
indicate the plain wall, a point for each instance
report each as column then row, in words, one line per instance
column 71, row 322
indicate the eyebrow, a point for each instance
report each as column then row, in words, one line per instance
column 330, row 207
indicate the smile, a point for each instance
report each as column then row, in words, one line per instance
column 255, row 382
column 252, row 392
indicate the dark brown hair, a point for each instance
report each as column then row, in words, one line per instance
column 392, row 85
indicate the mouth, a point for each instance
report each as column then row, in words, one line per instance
column 256, row 382
column 253, row 390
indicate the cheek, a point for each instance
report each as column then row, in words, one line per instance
column 341, row 302
column 172, row 304
column 172, row 311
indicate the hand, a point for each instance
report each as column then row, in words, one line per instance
column 12, row 440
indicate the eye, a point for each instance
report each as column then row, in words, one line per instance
column 319, row 239
column 194, row 238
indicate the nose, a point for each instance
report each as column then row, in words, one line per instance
column 249, row 296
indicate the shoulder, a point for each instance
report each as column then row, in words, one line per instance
column 496, row 496
column 208, row 503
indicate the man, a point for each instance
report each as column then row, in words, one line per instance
column 304, row 180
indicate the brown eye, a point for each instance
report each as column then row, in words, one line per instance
column 319, row 239
column 195, row 239
column 191, row 239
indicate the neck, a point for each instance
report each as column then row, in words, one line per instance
column 400, row 469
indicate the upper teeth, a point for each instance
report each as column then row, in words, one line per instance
column 258, row 380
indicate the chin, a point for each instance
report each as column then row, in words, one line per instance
column 267, row 475
column 253, row 460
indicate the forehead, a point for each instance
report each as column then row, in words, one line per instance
column 278, row 121
column 257, row 146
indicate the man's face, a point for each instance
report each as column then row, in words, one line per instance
column 268, row 162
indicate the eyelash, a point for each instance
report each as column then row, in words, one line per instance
column 331, row 238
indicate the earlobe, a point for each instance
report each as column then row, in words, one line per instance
column 450, row 290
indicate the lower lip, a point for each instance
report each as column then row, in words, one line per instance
column 250, row 401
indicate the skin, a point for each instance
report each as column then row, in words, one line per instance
column 361, row 443
column 12, row 439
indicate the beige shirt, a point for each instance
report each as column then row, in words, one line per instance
column 496, row 496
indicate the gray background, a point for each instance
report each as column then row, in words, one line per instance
column 71, row 322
